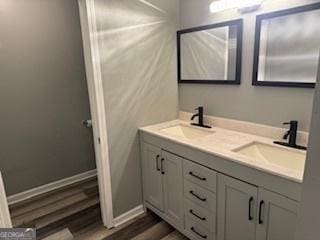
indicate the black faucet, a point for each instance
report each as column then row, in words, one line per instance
column 200, row 118
column 292, row 135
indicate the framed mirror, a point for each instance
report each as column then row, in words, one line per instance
column 287, row 47
column 210, row 54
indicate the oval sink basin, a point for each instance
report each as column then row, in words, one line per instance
column 282, row 157
column 186, row 132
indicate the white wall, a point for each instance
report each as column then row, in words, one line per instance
column 266, row 105
column 137, row 41
column 309, row 220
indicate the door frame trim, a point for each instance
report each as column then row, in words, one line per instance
column 5, row 219
column 97, row 105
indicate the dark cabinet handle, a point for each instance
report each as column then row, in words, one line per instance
column 250, row 207
column 195, row 195
column 157, row 162
column 199, row 234
column 260, row 212
column 162, row 167
column 196, row 215
column 200, row 178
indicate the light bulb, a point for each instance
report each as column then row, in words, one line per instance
column 249, row 5
column 242, row 5
column 222, row 5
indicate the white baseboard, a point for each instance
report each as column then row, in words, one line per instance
column 50, row 187
column 128, row 215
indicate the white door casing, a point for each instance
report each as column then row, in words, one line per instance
column 5, row 220
column 98, row 112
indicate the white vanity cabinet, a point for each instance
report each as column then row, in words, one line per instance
column 247, row 212
column 237, row 204
column 152, row 176
column 162, row 182
column 278, row 216
column 172, row 187
column 207, row 197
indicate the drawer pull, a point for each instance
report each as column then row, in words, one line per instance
column 250, row 206
column 260, row 212
column 195, row 176
column 162, row 167
column 196, row 215
column 157, row 163
column 199, row 234
column 195, row 195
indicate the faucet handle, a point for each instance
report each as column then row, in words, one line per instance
column 286, row 135
column 291, row 123
column 198, row 108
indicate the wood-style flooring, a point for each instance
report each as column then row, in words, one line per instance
column 73, row 212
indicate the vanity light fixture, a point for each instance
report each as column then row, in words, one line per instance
column 245, row 6
column 242, row 5
column 222, row 5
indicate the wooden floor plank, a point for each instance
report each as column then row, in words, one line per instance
column 74, row 223
column 65, row 212
column 155, row 232
column 43, row 202
column 88, row 185
column 135, row 228
column 97, row 231
column 74, row 213
column 175, row 236
column 48, row 209
column 64, row 234
column 78, row 185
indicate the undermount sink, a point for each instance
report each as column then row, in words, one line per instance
column 282, row 157
column 186, row 132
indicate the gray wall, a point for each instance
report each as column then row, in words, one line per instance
column 265, row 105
column 138, row 60
column 43, row 94
column 309, row 218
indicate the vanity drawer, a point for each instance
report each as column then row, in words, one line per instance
column 202, row 216
column 200, row 175
column 198, row 232
column 200, row 196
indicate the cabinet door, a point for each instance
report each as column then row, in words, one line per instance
column 173, row 188
column 152, row 177
column 237, row 204
column 277, row 216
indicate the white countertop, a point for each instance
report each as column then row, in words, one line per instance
column 222, row 143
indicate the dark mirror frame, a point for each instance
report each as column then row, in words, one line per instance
column 237, row 81
column 259, row 20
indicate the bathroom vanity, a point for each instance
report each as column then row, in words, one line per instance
column 219, row 183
